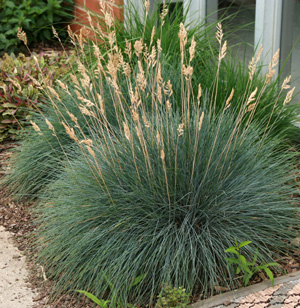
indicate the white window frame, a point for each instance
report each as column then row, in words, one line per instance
column 273, row 30
column 198, row 10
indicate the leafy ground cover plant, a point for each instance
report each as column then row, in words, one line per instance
column 21, row 95
column 161, row 191
column 246, row 268
column 172, row 297
column 35, row 17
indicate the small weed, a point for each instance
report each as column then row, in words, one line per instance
column 100, row 302
column 118, row 303
column 248, row 269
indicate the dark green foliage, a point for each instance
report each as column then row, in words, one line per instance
column 132, row 225
column 35, row 17
column 234, row 75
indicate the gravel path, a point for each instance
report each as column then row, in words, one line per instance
column 14, row 292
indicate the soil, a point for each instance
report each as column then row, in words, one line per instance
column 16, row 219
column 22, row 285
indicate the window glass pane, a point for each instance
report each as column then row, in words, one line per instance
column 239, row 25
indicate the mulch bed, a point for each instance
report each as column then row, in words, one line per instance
column 17, row 218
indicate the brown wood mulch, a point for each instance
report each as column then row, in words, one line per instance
column 17, row 218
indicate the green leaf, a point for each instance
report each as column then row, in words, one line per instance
column 14, row 20
column 137, row 280
column 8, row 105
column 246, row 279
column 90, row 296
column 236, row 243
column 254, row 258
column 243, row 260
column 231, row 260
column 232, row 250
column 47, row 34
column 50, row 18
column 111, row 286
column 270, row 274
column 26, row 22
column 10, row 4
column 11, row 31
column 244, row 264
column 238, row 270
column 8, row 112
column 272, row 264
column 245, row 243
column 102, row 303
column 14, row 131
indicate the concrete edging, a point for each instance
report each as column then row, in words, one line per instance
column 242, row 292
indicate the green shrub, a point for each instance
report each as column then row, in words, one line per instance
column 35, row 17
column 20, row 88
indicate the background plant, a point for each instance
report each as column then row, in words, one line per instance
column 21, row 79
column 35, row 17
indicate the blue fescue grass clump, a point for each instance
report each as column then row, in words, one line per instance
column 43, row 151
column 163, row 192
column 31, row 172
column 169, row 216
column 36, row 161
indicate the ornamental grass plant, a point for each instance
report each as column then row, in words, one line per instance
column 156, row 180
column 232, row 74
column 27, row 176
